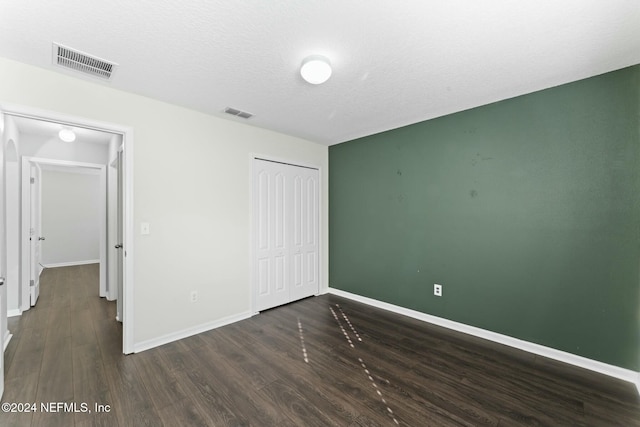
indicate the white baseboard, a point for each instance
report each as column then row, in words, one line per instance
column 552, row 353
column 72, row 263
column 14, row 313
column 111, row 296
column 7, row 338
column 185, row 333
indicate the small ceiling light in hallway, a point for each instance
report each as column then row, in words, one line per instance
column 67, row 135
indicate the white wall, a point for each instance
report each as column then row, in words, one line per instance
column 11, row 177
column 13, row 238
column 53, row 148
column 192, row 175
column 70, row 217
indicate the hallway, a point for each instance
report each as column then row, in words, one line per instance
column 60, row 348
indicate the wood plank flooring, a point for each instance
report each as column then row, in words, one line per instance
column 322, row 361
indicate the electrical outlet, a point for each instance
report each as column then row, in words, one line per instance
column 194, row 296
column 437, row 290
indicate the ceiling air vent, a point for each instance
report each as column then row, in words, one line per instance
column 238, row 113
column 79, row 61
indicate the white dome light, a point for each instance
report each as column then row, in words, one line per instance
column 316, row 69
column 67, row 135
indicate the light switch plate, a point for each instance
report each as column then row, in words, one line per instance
column 144, row 228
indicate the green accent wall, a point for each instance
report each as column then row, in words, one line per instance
column 527, row 211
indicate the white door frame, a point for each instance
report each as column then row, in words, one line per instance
column 5, row 336
column 252, row 229
column 34, row 213
column 127, row 143
column 27, row 162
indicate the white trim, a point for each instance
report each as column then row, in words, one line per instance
column 25, row 219
column 72, row 263
column 66, row 163
column 104, row 218
column 7, row 338
column 285, row 160
column 127, row 144
column 15, row 312
column 185, row 333
column 128, row 342
column 552, row 353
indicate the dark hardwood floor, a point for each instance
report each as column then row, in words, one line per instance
column 323, row 361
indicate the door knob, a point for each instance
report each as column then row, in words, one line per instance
column 40, row 238
column 118, row 246
column 1, row 281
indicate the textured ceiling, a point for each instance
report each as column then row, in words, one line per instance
column 395, row 62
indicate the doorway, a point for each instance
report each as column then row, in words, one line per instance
column 126, row 147
column 76, row 223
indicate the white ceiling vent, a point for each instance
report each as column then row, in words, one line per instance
column 238, row 113
column 67, row 57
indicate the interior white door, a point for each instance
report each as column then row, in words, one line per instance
column 304, row 236
column 35, row 235
column 272, row 257
column 120, row 237
column 285, row 201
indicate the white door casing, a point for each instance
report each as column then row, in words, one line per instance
column 119, row 251
column 3, row 259
column 128, row 343
column 35, row 234
column 286, row 222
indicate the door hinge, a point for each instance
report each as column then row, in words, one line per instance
column 33, row 180
column 32, row 283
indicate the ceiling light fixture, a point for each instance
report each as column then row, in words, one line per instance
column 67, row 135
column 316, row 69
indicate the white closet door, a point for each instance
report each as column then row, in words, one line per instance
column 285, row 204
column 272, row 269
column 304, row 235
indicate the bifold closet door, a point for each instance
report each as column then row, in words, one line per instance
column 286, row 214
column 304, row 232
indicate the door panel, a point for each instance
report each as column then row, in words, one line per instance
column 263, row 277
column 271, row 228
column 305, row 209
